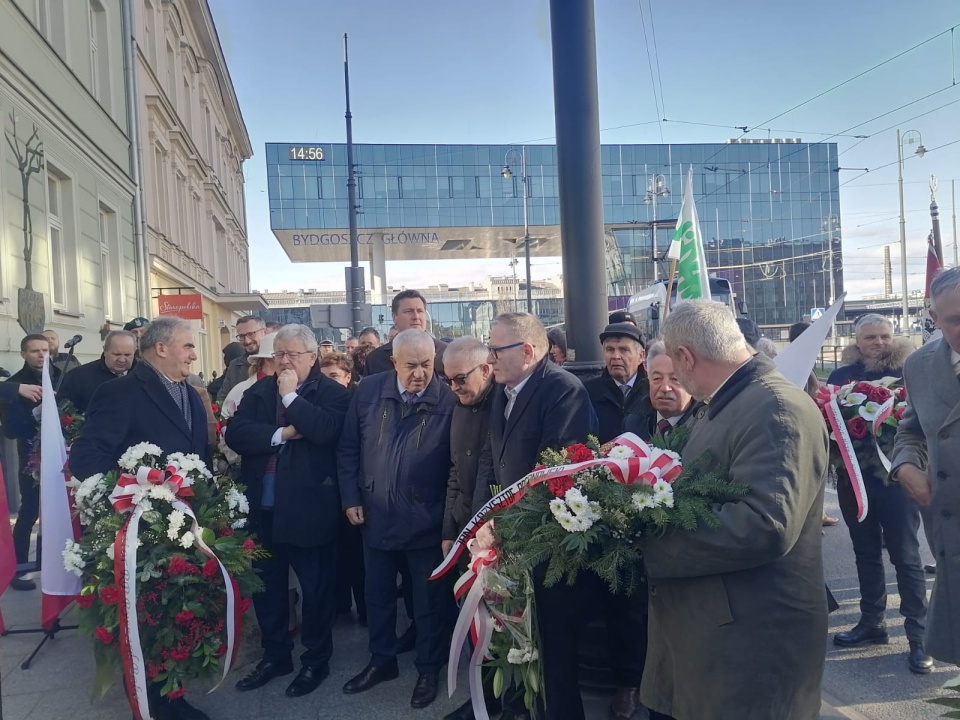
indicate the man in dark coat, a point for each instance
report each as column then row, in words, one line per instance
column 618, row 390
column 738, row 614
column 231, row 351
column 394, row 461
column 926, row 457
column 24, row 427
column 64, row 362
column 152, row 403
column 250, row 331
column 538, row 406
column 119, row 352
column 893, row 518
column 409, row 312
column 668, row 404
column 286, row 430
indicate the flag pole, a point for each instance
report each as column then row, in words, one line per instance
column 674, row 255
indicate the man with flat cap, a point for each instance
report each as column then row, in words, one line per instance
column 619, row 388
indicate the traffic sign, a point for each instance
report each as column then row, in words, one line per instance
column 817, row 313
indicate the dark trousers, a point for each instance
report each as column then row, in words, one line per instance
column 26, row 516
column 562, row 612
column 350, row 569
column 429, row 598
column 315, row 568
column 893, row 518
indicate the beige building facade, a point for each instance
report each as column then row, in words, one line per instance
column 192, row 145
column 68, row 255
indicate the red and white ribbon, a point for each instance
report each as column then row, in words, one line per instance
column 475, row 620
column 125, row 497
column 827, row 400
column 886, row 410
column 648, row 465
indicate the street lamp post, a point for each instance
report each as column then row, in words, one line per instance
column 831, row 223
column 656, row 187
column 910, row 137
column 507, row 174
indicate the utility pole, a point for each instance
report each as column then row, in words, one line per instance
column 355, row 290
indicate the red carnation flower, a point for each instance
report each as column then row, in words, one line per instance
column 211, row 568
column 176, row 694
column 103, row 635
column 183, row 617
column 244, row 604
column 68, row 420
column 579, row 453
column 249, row 545
column 857, row 427
column 559, row 485
column 109, row 594
column 177, row 565
column 154, row 670
column 226, row 532
column 179, row 655
column 540, row 467
column 221, row 650
column 85, row 601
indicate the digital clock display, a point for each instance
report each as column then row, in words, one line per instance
column 306, row 153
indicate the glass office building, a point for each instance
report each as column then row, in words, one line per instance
column 769, row 210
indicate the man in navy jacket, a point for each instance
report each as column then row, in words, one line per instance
column 394, row 461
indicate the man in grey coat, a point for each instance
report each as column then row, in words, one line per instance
column 738, row 615
column 926, row 457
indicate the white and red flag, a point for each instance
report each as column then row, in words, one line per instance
column 934, row 266
column 8, row 558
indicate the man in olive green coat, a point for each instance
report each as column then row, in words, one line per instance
column 738, row 616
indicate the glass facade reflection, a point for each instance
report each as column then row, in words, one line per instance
column 769, row 211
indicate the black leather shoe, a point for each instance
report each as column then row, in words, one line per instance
column 371, row 677
column 862, row 635
column 425, row 691
column 408, row 641
column 930, row 569
column 307, row 680
column 264, row 672
column 21, row 584
column 919, row 662
column 179, row 709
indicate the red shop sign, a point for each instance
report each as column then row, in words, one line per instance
column 187, row 307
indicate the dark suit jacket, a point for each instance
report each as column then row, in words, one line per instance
column 133, row 409
column 611, row 405
column 79, row 385
column 378, row 360
column 552, row 410
column 14, row 411
column 642, row 422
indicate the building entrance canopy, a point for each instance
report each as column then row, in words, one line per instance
column 423, row 243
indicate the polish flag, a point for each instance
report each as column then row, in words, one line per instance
column 8, row 558
column 58, row 585
column 930, row 332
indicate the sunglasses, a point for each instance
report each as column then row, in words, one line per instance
column 460, row 379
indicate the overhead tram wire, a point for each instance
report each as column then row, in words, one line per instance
column 653, row 81
column 902, row 122
column 769, row 130
column 656, row 56
column 910, row 157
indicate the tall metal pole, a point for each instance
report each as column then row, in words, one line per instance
column 355, row 290
column 576, row 109
column 953, row 194
column 905, row 309
column 935, row 220
column 653, row 232
column 829, row 222
column 526, row 227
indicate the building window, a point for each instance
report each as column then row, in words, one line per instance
column 52, row 24
column 111, row 265
column 183, row 239
column 221, row 250
column 187, row 105
column 62, row 241
column 99, row 54
column 149, row 33
column 162, row 207
column 171, row 75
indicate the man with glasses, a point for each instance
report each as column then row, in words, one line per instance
column 394, row 461
column 250, row 330
column 540, row 406
column 286, row 431
column 409, row 313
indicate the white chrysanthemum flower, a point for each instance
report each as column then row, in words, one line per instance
column 72, row 558
column 620, row 452
column 567, row 522
column 530, row 654
column 558, row 507
column 187, row 540
column 237, row 501
column 663, row 499
column 175, row 520
column 643, row 500
column 111, row 550
column 578, row 506
column 133, row 457
column 662, row 486
column 237, row 524
column 515, row 656
column 573, row 495
column 159, row 492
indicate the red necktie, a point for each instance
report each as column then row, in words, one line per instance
column 663, row 427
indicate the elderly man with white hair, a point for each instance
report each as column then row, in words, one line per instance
column 394, row 461
column 750, row 588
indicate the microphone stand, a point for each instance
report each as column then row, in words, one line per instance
column 63, row 373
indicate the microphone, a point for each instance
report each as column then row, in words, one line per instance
column 75, row 340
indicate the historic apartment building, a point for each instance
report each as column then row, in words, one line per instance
column 68, row 256
column 193, row 143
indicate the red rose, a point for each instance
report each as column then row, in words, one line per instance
column 67, row 420
column 176, row 694
column 880, row 394
column 244, row 604
column 103, row 635
column 863, row 388
column 898, row 414
column 215, row 407
column 211, row 568
column 183, row 617
column 857, row 427
column 559, row 485
column 249, row 545
column 109, row 594
column 85, row 601
column 226, row 532
column 901, row 393
column 579, row 453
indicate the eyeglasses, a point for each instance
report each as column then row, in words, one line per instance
column 249, row 335
column 291, row 355
column 497, row 350
column 460, row 379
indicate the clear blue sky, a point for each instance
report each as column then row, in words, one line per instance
column 448, row 72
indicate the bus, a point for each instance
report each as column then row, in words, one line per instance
column 646, row 305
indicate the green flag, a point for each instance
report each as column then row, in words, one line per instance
column 692, row 280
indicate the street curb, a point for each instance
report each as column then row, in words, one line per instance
column 839, row 710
